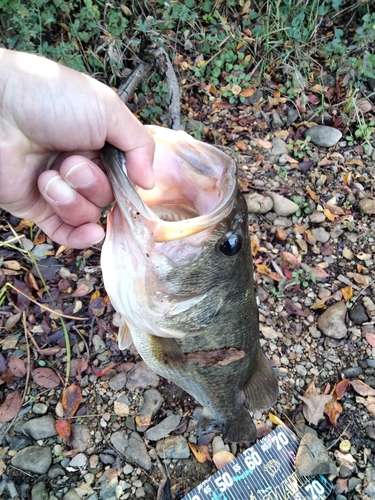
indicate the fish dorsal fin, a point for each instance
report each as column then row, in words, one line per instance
column 124, row 335
column 261, row 389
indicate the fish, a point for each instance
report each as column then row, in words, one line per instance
column 177, row 266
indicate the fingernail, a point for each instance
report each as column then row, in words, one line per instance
column 80, row 176
column 59, row 190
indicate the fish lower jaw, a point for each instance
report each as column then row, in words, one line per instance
column 174, row 212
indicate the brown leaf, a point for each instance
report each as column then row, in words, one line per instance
column 362, row 388
column 313, row 408
column 78, row 366
column 370, row 337
column 81, row 290
column 71, row 399
column 241, row 145
column 291, row 259
column 341, row 486
column 319, row 273
column 17, row 367
column 264, row 144
column 360, row 279
column 247, row 92
column 45, row 377
column 347, row 293
column 12, row 321
column 11, row 406
column 100, row 372
column 342, row 387
column 291, row 308
column 312, row 194
column 200, row 452
column 330, row 216
column 14, row 265
column 64, row 429
column 333, row 410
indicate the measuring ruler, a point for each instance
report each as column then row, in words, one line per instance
column 266, row 471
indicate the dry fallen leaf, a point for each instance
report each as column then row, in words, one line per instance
column 64, row 429
column 17, row 367
column 362, row 388
column 12, row 321
column 347, row 293
column 264, row 144
column 45, row 377
column 275, row 420
column 11, row 406
column 313, row 409
column 71, row 399
column 200, row 452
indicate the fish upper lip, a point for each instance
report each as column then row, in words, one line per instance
column 163, row 230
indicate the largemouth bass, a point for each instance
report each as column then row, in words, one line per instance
column 177, row 266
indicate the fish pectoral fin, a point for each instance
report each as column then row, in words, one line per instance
column 166, row 351
column 124, row 337
column 261, row 389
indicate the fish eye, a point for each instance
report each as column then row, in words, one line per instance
column 231, row 245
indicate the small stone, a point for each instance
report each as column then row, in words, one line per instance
column 369, row 304
column 358, row 314
column 332, row 321
column 367, row 206
column 291, row 116
column 164, row 428
column 122, row 406
column 312, row 457
column 269, row 333
column 107, row 459
column 320, row 234
column 39, row 491
column 322, row 135
column 55, row 471
column 317, row 217
column 352, row 371
column 38, row 428
column 283, row 206
column 98, row 343
column 301, row 370
column 256, row 97
column 118, row 382
column 71, row 495
column 18, row 442
column 345, row 446
column 278, row 147
column 282, row 222
column 132, row 447
column 34, row 459
column 39, row 251
column 80, row 461
column 276, row 121
column 141, row 376
column 40, row 408
column 173, row 447
column 127, row 469
column 218, row 445
column 370, row 431
column 353, row 483
column 81, row 438
column 258, row 204
column 152, row 401
column 222, row 458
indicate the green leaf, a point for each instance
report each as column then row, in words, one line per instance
column 207, row 6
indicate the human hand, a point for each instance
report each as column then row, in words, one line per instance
column 47, row 108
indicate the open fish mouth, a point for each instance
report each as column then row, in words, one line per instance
column 192, row 193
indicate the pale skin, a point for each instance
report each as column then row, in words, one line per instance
column 48, row 109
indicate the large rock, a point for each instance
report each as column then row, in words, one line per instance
column 312, row 457
column 282, row 206
column 173, row 447
column 321, row 135
column 38, row 428
column 332, row 321
column 35, row 459
column 258, row 204
column 367, row 206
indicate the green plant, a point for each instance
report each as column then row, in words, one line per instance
column 300, row 148
column 279, row 294
column 303, row 206
column 282, row 171
column 304, row 276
